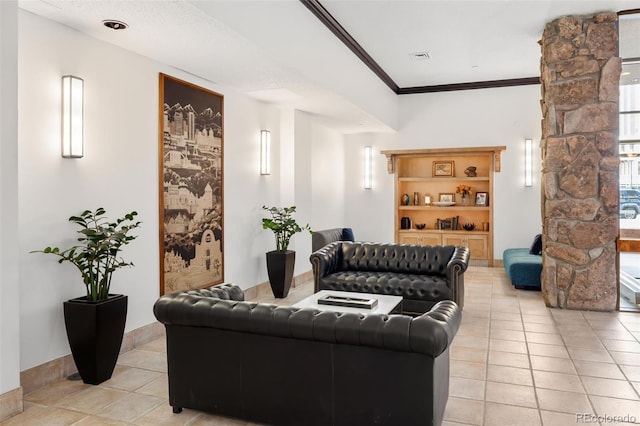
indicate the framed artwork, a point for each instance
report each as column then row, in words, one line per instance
column 191, row 209
column 443, row 168
column 447, row 198
column 482, row 199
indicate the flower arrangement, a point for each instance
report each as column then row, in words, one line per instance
column 463, row 189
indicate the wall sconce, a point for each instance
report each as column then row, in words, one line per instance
column 265, row 152
column 528, row 162
column 72, row 116
column 368, row 169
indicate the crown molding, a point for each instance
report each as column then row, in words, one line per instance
column 343, row 35
column 323, row 15
column 489, row 84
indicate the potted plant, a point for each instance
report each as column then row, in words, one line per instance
column 95, row 322
column 281, row 262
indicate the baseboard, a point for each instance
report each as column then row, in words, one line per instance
column 141, row 336
column 303, row 278
column 264, row 289
column 497, row 263
column 11, row 403
column 44, row 374
column 59, row 368
column 476, row 262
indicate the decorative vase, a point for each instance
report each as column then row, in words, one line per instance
column 280, row 266
column 464, row 199
column 406, row 199
column 95, row 331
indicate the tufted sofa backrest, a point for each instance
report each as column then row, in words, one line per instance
column 323, row 237
column 398, row 258
column 430, row 333
column 220, row 291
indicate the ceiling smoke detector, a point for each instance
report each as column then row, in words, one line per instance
column 115, row 25
column 420, row 56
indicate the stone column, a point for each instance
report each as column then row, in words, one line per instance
column 580, row 74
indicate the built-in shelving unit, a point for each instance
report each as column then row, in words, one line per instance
column 418, row 176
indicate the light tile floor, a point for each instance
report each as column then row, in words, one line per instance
column 513, row 362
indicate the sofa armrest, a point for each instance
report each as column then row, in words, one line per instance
column 325, row 261
column 165, row 307
column 455, row 273
column 437, row 328
column 323, row 237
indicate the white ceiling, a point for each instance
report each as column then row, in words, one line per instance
column 277, row 51
column 467, row 40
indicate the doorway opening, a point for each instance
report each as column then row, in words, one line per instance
column 629, row 171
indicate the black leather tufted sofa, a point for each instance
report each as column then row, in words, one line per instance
column 289, row 366
column 422, row 275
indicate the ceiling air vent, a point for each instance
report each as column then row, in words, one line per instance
column 115, row 25
column 420, row 56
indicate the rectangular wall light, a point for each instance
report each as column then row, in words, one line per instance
column 528, row 162
column 72, row 116
column 368, row 167
column 265, row 152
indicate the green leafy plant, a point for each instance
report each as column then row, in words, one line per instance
column 283, row 225
column 96, row 257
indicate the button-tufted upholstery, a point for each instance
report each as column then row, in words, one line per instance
column 422, row 275
column 251, row 360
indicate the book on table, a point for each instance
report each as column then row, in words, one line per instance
column 352, row 302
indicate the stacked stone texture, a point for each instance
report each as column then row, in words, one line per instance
column 580, row 75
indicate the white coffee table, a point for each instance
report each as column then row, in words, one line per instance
column 386, row 304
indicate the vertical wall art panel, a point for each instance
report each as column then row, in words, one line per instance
column 191, row 183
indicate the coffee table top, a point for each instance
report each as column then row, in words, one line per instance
column 385, row 305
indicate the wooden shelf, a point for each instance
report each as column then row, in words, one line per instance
column 414, row 176
column 443, row 179
column 468, row 208
column 442, row 153
column 443, row 231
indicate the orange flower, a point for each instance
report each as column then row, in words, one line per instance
column 463, row 189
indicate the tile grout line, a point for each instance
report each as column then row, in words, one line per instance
column 533, row 379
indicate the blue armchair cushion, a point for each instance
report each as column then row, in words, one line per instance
column 523, row 269
column 536, row 246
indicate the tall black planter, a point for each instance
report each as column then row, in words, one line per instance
column 95, row 331
column 280, row 265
